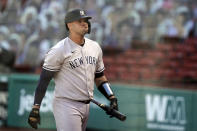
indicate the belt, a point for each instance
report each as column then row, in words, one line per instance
column 84, row 101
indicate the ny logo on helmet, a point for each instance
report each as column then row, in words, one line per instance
column 82, row 12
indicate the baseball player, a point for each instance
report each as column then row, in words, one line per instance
column 74, row 63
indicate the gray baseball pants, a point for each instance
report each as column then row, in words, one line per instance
column 70, row 115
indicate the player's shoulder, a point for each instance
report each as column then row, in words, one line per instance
column 61, row 46
column 92, row 42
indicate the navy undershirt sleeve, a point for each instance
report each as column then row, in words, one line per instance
column 45, row 78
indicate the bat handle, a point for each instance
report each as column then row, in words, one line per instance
column 114, row 112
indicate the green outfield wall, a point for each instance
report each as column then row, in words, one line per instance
column 147, row 109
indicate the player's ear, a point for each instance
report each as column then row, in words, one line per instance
column 68, row 26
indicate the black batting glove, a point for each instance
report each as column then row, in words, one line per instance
column 34, row 118
column 114, row 103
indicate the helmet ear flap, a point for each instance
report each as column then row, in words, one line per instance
column 89, row 27
column 66, row 27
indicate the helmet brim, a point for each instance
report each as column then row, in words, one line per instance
column 77, row 18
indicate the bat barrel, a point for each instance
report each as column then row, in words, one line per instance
column 118, row 115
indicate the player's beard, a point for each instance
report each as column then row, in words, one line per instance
column 84, row 31
column 80, row 31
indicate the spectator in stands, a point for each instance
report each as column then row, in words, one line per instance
column 155, row 5
column 37, row 4
column 114, row 25
column 22, row 32
column 194, row 10
column 7, row 59
column 75, row 4
column 192, row 24
column 31, row 52
column 7, row 56
column 113, row 14
column 128, row 29
column 124, row 38
column 170, row 27
column 192, row 31
column 4, row 31
column 15, row 43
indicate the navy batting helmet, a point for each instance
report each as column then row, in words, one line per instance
column 77, row 14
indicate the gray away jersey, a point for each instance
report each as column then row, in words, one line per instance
column 76, row 67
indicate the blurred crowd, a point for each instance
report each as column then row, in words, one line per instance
column 28, row 28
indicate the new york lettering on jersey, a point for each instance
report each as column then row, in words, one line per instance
column 79, row 61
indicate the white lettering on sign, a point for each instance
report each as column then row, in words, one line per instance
column 26, row 102
column 165, row 112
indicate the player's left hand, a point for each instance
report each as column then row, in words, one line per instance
column 34, row 118
column 114, row 103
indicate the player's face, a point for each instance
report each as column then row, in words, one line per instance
column 80, row 26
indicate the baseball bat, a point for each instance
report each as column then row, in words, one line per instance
column 113, row 112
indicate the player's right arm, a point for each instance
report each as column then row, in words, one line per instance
column 52, row 64
column 45, row 78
